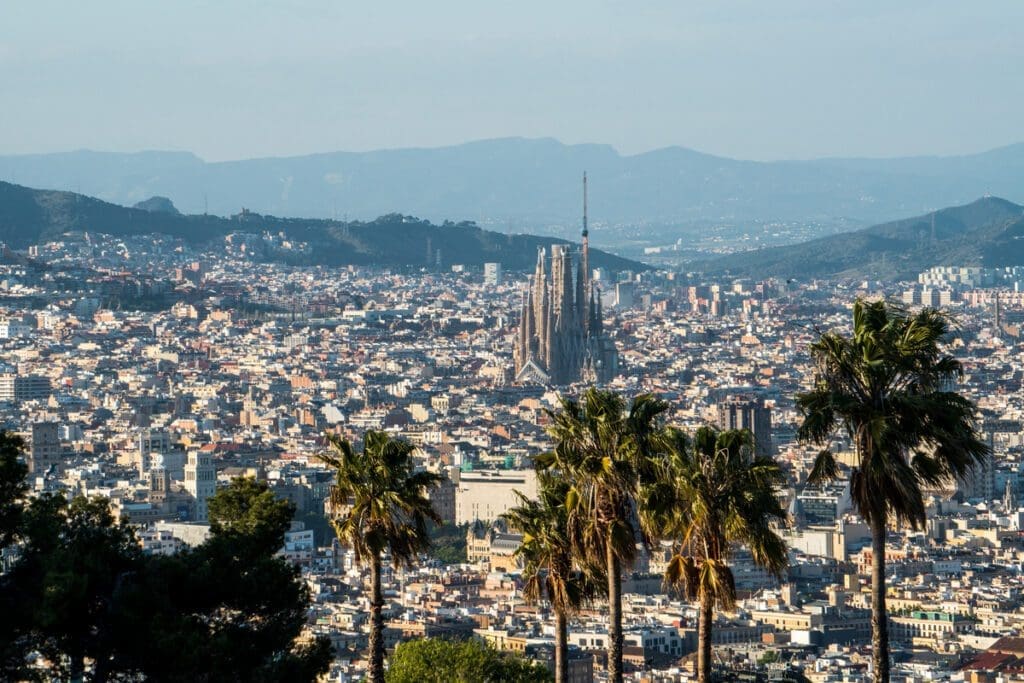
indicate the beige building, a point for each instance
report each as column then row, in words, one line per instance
column 44, row 448
column 485, row 495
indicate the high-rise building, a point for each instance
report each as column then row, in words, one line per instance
column 624, row 294
column 492, row 274
column 17, row 388
column 979, row 483
column 561, row 335
column 747, row 412
column 152, row 441
column 200, row 482
column 45, row 449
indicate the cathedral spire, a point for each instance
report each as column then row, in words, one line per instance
column 567, row 306
column 526, row 327
column 585, row 255
column 561, row 338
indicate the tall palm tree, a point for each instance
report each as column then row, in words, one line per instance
column 380, row 503
column 605, row 451
column 887, row 386
column 548, row 570
column 714, row 493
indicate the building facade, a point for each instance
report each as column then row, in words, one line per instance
column 18, row 388
column 45, row 449
column 486, row 495
column 745, row 412
column 200, row 482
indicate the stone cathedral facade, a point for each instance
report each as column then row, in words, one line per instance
column 561, row 336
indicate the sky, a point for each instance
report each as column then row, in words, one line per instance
column 785, row 79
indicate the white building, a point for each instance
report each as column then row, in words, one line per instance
column 12, row 329
column 200, row 482
column 492, row 274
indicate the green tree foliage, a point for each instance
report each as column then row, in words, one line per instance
column 381, row 505
column 64, row 589
column 433, row 660
column 228, row 609
column 12, row 486
column 85, row 598
column 448, row 543
column 605, row 451
column 248, row 510
column 887, row 386
column 714, row 492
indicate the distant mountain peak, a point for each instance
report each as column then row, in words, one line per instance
column 534, row 183
column 157, row 204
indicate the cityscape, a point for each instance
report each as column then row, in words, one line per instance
column 513, row 409
column 254, row 363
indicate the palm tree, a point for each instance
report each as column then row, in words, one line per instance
column 379, row 503
column 605, row 452
column 714, row 493
column 887, row 386
column 547, row 560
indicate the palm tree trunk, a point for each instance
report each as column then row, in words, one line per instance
column 561, row 647
column 376, row 623
column 614, row 616
column 879, row 616
column 704, row 640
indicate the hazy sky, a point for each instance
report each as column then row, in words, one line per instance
column 759, row 79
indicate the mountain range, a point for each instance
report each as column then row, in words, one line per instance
column 29, row 216
column 987, row 232
column 532, row 185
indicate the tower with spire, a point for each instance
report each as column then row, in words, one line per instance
column 561, row 337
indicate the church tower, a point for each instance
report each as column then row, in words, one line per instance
column 561, row 338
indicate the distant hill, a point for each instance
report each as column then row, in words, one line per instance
column 28, row 216
column 989, row 231
column 533, row 184
column 157, row 205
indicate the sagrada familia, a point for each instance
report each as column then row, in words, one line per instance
column 561, row 336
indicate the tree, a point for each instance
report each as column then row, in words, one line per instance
column 548, row 563
column 380, row 503
column 13, row 486
column 229, row 609
column 433, row 660
column 887, row 386
column 84, row 597
column 605, row 452
column 13, row 489
column 249, row 509
column 75, row 560
column 714, row 493
column 448, row 542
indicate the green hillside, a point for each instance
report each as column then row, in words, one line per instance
column 29, row 216
column 986, row 232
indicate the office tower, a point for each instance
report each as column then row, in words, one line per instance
column 492, row 274
column 747, row 412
